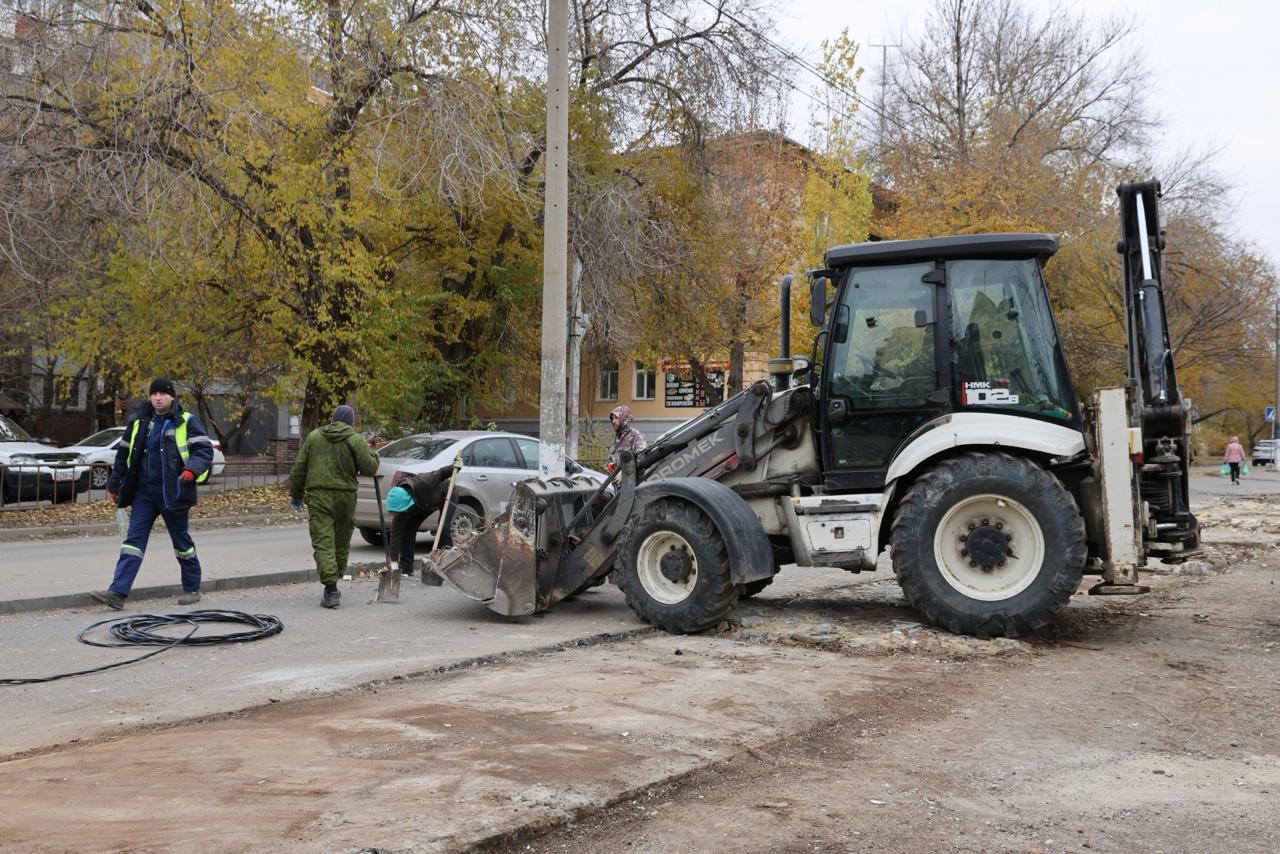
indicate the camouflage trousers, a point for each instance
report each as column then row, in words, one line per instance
column 331, row 520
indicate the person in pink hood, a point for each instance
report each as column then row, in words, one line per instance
column 626, row 436
column 1234, row 457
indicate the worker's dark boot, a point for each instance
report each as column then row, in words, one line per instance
column 189, row 598
column 332, row 598
column 114, row 601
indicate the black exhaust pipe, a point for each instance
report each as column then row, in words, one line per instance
column 781, row 368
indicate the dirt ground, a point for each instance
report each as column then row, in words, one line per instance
column 827, row 722
column 1137, row 724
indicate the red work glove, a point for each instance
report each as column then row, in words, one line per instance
column 609, row 467
column 187, row 476
column 114, row 496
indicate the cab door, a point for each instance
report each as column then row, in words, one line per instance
column 884, row 373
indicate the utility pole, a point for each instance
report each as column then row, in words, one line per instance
column 1275, row 418
column 555, row 245
column 578, row 325
column 884, row 79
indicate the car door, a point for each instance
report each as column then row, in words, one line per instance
column 490, row 465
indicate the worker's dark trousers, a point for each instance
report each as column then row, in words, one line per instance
column 147, row 505
column 404, row 527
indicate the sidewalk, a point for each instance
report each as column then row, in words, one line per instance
column 39, row 575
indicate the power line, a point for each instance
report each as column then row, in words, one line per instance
column 883, row 115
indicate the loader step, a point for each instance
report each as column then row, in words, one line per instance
column 1102, row 588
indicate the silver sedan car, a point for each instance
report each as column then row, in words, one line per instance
column 492, row 463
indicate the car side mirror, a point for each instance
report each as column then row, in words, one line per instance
column 818, row 301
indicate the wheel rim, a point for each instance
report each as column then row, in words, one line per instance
column 1005, row 569
column 100, row 476
column 465, row 525
column 649, row 567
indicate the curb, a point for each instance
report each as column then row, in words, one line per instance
column 163, row 591
column 81, row 600
column 49, row 532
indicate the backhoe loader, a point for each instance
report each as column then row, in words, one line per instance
column 935, row 417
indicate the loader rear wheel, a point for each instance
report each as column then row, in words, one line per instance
column 674, row 568
column 988, row 544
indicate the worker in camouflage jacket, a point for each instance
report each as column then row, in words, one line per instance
column 626, row 436
column 324, row 474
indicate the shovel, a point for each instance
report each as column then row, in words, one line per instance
column 388, row 578
column 429, row 577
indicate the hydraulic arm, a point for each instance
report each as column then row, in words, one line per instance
column 1156, row 405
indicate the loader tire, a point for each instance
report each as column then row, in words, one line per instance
column 674, row 568
column 988, row 544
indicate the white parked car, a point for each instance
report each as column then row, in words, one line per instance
column 492, row 463
column 99, row 450
column 35, row 472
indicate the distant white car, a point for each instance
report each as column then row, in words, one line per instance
column 99, row 450
column 492, row 463
column 35, row 472
column 1264, row 452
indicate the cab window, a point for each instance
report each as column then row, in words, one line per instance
column 883, row 337
column 1003, row 344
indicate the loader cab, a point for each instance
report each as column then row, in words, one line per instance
column 922, row 329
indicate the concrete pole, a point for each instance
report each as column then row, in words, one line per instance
column 555, row 249
column 1275, row 422
column 577, row 328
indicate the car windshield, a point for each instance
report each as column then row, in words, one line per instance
column 100, row 439
column 11, row 432
column 415, row 447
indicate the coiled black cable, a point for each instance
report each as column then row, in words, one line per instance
column 139, row 630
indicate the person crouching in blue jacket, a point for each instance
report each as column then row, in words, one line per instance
column 166, row 452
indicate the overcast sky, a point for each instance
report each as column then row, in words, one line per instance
column 1215, row 76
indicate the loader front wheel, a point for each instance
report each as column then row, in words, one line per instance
column 988, row 544
column 675, row 568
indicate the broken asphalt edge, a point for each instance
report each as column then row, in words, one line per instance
column 369, row 686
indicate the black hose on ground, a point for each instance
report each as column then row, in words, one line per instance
column 140, row 630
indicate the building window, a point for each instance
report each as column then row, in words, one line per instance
column 646, row 383
column 608, row 388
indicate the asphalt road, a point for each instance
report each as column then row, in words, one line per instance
column 320, row 651
column 1207, row 484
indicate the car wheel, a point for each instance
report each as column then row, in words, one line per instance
column 466, row 519
column 372, row 536
column 99, row 476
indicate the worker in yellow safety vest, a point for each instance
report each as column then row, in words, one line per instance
column 166, row 454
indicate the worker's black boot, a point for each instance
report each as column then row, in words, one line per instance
column 332, row 598
column 112, row 600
